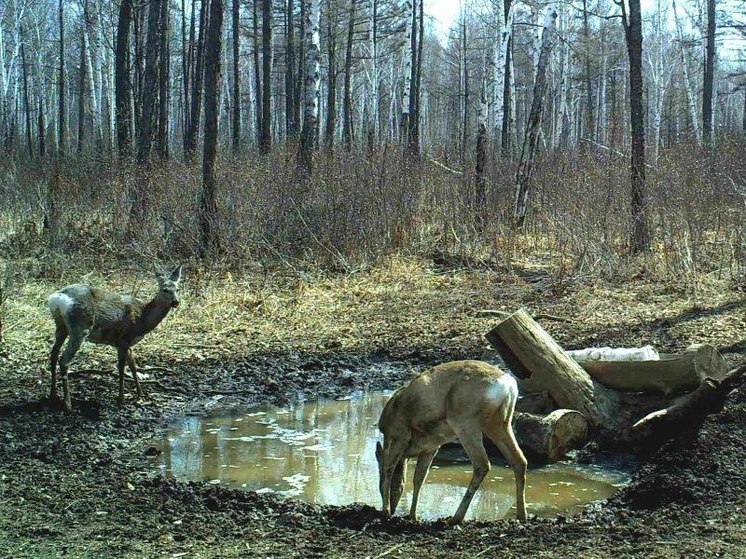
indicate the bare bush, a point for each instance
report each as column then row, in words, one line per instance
column 358, row 207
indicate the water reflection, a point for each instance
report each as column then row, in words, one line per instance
column 323, row 451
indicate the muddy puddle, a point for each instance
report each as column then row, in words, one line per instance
column 323, row 452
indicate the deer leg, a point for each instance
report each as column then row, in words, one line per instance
column 504, row 438
column 470, row 436
column 133, row 369
column 73, row 345
column 392, row 471
column 60, row 335
column 424, row 461
column 121, row 362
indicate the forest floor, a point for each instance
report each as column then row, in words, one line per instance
column 82, row 485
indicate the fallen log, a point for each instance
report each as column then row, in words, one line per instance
column 691, row 409
column 542, row 365
column 548, row 438
column 671, row 374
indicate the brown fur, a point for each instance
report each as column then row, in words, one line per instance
column 85, row 313
column 458, row 400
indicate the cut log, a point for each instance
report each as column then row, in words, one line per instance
column 542, row 364
column 671, row 374
column 547, row 439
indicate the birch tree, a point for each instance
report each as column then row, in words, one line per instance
column 311, row 110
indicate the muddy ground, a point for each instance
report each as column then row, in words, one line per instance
column 81, row 485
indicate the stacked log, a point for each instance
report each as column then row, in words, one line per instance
column 621, row 401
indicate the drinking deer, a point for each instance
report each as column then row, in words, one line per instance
column 458, row 400
column 85, row 313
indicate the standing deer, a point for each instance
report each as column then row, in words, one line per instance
column 87, row 313
column 462, row 400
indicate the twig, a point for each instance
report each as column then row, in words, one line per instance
column 495, row 312
column 439, row 164
column 390, row 550
column 485, row 551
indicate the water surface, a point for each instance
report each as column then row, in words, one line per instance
column 323, row 452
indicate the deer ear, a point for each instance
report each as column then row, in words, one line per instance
column 176, row 274
column 159, row 277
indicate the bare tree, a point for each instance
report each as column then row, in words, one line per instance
column 257, row 73
column 192, row 133
column 311, row 111
column 640, row 235
column 208, row 200
column 531, row 140
column 236, row 75
column 62, row 125
column 347, row 96
column 708, row 84
column 265, row 143
column 123, row 87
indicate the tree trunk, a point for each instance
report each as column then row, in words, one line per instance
column 331, row 85
column 531, row 140
column 508, row 99
column 61, row 131
column 208, row 201
column 122, row 87
column 708, row 84
column 408, row 55
column 501, row 70
column 691, row 95
column 42, row 138
column 265, row 145
column 414, row 113
column 589, row 120
column 347, row 97
column 291, row 125
column 164, row 79
column 311, row 111
column 640, row 241
column 146, row 127
column 82, row 88
column 192, row 136
column 481, row 156
column 236, row 76
column 257, row 73
column 26, row 100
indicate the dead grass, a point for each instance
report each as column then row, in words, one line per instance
column 400, row 305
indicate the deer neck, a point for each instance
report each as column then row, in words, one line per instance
column 152, row 315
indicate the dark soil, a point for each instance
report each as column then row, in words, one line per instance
column 80, row 485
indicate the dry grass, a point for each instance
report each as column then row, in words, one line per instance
column 397, row 306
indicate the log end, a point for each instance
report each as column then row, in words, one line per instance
column 570, row 431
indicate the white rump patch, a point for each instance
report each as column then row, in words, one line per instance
column 502, row 389
column 60, row 304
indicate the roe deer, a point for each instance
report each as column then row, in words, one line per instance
column 87, row 313
column 462, row 400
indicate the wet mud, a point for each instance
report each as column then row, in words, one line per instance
column 82, row 485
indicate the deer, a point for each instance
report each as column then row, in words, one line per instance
column 458, row 400
column 82, row 312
